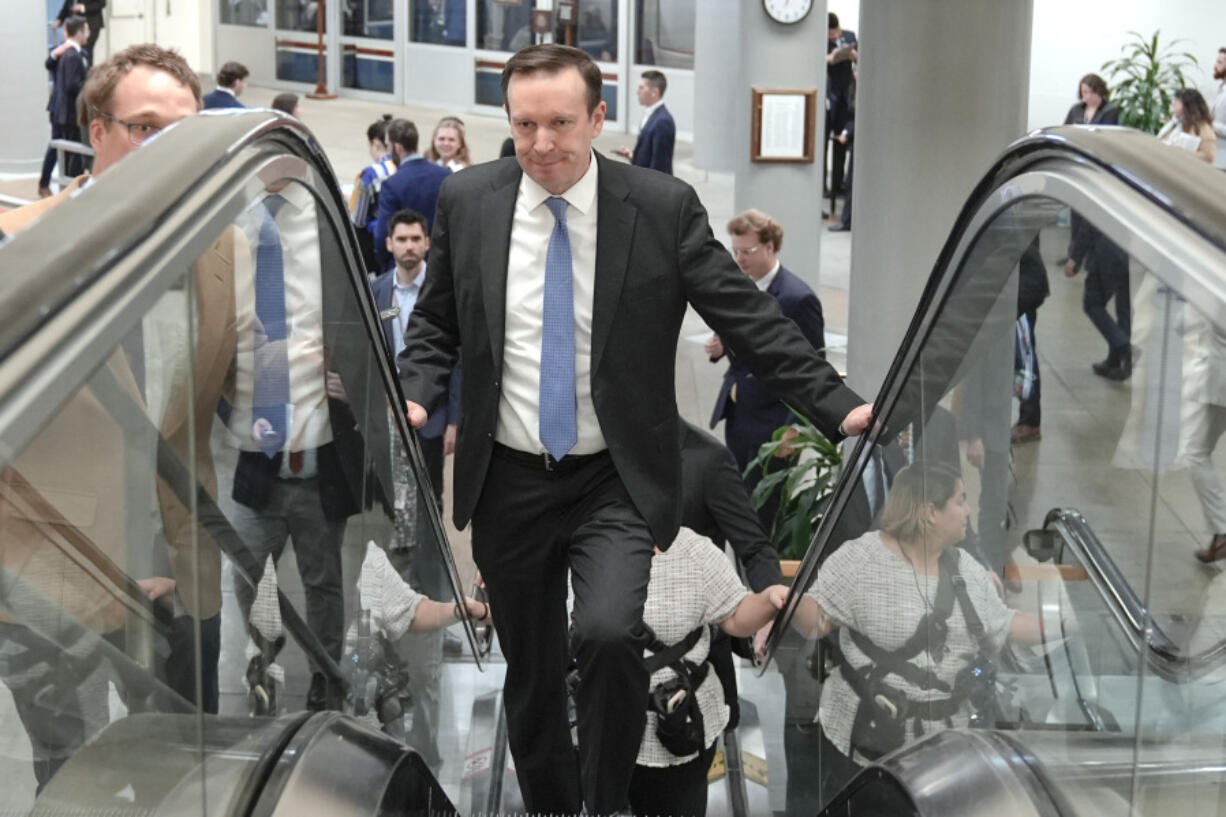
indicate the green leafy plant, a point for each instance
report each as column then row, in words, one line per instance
column 1144, row 80
column 806, row 473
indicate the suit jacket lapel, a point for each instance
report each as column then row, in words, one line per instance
column 614, row 231
column 776, row 284
column 497, row 213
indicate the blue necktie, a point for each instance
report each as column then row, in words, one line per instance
column 270, row 392
column 559, row 427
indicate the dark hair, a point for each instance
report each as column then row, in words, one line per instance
column 1195, row 110
column 231, row 73
column 1096, row 84
column 915, row 486
column 378, row 130
column 285, row 102
column 755, row 221
column 407, row 217
column 404, row 133
column 550, row 58
column 74, row 24
column 832, row 20
column 657, row 80
column 507, row 149
column 100, row 87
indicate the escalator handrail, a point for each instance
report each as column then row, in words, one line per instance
column 1161, row 176
column 104, row 236
column 1165, row 655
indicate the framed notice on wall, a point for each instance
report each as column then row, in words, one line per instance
column 784, row 125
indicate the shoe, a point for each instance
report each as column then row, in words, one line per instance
column 45, row 193
column 1022, row 433
column 1215, row 551
column 1119, row 372
column 317, row 695
column 839, row 228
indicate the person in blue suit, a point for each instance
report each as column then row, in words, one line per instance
column 657, row 131
column 231, row 80
column 750, row 409
column 414, row 186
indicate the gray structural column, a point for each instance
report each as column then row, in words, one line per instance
column 23, row 89
column 943, row 90
column 717, row 68
column 780, row 56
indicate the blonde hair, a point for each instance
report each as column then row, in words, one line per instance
column 456, row 124
column 913, row 489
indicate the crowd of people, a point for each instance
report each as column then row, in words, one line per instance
column 530, row 307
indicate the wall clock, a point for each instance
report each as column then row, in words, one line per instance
column 787, row 11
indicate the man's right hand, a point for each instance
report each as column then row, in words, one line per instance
column 417, row 414
column 624, row 152
column 714, row 347
column 1070, row 268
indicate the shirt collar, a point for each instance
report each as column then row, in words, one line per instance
column 414, row 284
column 75, row 44
column 765, row 281
column 581, row 195
column 229, row 91
column 650, row 109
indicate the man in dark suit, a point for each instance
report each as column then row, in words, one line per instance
column 841, row 55
column 562, row 279
column 91, row 10
column 751, row 409
column 70, row 71
column 414, row 185
column 657, row 131
column 231, row 81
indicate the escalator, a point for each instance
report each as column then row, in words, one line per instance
column 1113, row 706
column 132, row 487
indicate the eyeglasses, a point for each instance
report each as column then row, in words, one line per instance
column 745, row 253
column 138, row 132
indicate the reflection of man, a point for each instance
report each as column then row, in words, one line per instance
column 751, row 410
column 657, row 131
column 289, row 412
column 569, row 450
column 127, row 99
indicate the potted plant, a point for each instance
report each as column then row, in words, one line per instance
column 1145, row 78
column 810, row 466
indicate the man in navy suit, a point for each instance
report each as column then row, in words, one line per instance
column 657, row 131
column 231, row 80
column 70, row 71
column 414, row 185
column 750, row 409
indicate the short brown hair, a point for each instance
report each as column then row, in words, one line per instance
column 914, row 487
column 657, row 80
column 231, row 73
column 755, row 221
column 551, row 58
column 100, row 87
column 1095, row 83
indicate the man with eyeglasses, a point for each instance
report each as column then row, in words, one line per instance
column 750, row 409
column 126, row 101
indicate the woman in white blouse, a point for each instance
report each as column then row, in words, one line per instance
column 448, row 146
column 893, row 586
column 1191, row 125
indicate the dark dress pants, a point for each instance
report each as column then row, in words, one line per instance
column 672, row 791
column 180, row 667
column 744, row 444
column 1107, row 278
column 528, row 526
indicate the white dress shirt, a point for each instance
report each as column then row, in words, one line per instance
column 648, row 111
column 307, row 417
column 765, row 281
column 405, row 297
column 531, row 227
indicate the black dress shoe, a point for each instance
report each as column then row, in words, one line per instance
column 1121, row 371
column 1215, row 551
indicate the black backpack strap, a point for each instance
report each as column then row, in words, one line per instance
column 663, row 656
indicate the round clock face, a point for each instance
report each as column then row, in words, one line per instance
column 787, row 11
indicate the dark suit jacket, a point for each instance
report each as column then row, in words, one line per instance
column 413, row 186
column 70, row 73
column 93, row 12
column 221, row 99
column 759, row 410
column 655, row 253
column 715, row 503
column 384, row 287
column 654, row 147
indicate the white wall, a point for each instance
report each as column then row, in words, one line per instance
column 848, row 11
column 1075, row 37
column 186, row 25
